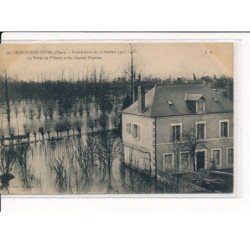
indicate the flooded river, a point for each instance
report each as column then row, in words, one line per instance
column 74, row 159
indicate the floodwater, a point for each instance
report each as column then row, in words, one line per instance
column 56, row 163
column 41, row 179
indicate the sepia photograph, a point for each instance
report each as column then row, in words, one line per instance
column 117, row 118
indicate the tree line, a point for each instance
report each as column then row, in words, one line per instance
column 115, row 87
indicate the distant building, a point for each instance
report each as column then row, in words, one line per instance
column 155, row 124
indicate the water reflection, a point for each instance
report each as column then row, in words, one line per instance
column 7, row 162
column 73, row 166
column 66, row 146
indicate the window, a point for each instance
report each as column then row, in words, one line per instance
column 216, row 156
column 136, row 131
column 200, row 106
column 230, row 156
column 200, row 130
column 192, row 105
column 176, row 132
column 168, row 161
column 129, row 128
column 185, row 161
column 223, row 128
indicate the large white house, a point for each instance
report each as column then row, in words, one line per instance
column 155, row 129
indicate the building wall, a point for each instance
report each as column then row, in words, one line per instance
column 138, row 151
column 164, row 144
column 143, row 148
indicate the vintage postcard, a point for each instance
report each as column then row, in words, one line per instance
column 117, row 118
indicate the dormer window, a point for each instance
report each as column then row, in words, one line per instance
column 196, row 103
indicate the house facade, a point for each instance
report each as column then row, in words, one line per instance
column 178, row 129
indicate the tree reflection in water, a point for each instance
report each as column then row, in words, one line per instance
column 7, row 161
column 57, row 167
column 109, row 150
column 23, row 154
column 88, row 164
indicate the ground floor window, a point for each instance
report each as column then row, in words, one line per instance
column 230, row 156
column 216, row 155
column 168, row 161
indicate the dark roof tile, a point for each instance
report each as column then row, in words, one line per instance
column 156, row 101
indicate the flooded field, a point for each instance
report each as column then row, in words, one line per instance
column 48, row 116
column 69, row 147
column 53, row 169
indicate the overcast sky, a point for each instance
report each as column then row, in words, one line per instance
column 155, row 59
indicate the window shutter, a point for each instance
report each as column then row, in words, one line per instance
column 133, row 130
column 138, row 132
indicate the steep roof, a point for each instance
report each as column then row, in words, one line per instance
column 158, row 101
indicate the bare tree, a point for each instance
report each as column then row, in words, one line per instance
column 12, row 134
column 34, row 131
column 187, row 146
column 2, row 136
column 58, row 168
column 84, row 157
column 78, row 125
column 103, row 121
column 58, row 129
column 7, row 98
column 48, row 128
column 90, row 124
column 31, row 113
column 109, row 149
column 66, row 126
column 191, row 142
column 27, row 130
column 22, row 158
column 115, row 119
column 42, row 132
column 74, row 175
column 24, row 111
column 92, row 147
column 7, row 158
column 130, row 73
column 16, row 115
column 39, row 111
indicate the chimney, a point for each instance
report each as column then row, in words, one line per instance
column 135, row 93
column 141, row 99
